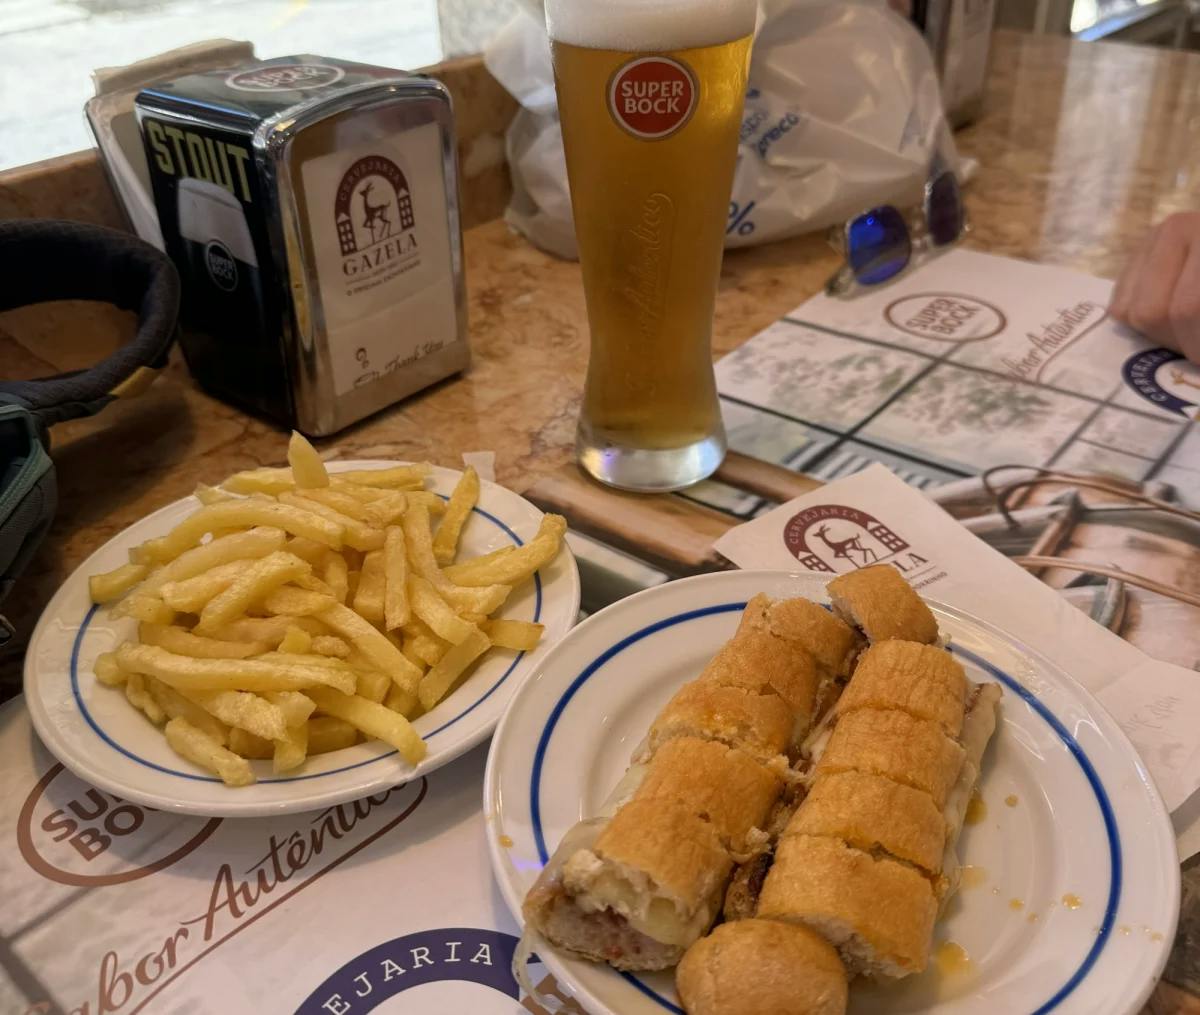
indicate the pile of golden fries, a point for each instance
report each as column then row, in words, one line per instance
column 298, row 611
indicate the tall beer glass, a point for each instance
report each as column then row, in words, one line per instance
column 650, row 97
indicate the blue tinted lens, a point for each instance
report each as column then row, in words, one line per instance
column 877, row 245
column 944, row 210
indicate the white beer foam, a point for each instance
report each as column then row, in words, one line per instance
column 639, row 26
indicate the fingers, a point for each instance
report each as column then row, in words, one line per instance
column 1122, row 295
column 1158, row 277
column 1184, row 310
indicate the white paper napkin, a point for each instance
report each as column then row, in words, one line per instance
column 1155, row 703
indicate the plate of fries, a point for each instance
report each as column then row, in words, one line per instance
column 298, row 636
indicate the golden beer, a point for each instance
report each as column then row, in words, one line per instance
column 651, row 142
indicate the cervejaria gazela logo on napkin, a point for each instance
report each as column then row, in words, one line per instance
column 373, row 212
column 834, row 538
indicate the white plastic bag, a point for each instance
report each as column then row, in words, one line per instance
column 843, row 112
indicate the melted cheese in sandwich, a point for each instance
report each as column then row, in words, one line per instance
column 596, row 885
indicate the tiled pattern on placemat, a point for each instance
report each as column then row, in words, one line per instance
column 829, row 403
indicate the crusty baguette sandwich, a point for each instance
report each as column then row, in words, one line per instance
column 641, row 883
column 878, row 602
column 762, row 967
column 864, row 856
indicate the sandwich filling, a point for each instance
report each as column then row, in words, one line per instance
column 647, row 880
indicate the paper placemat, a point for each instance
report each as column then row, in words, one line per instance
column 970, row 360
column 112, row 907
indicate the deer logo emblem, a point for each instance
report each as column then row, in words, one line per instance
column 373, row 205
column 375, row 219
column 833, row 538
column 844, row 549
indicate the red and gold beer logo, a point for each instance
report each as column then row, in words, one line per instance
column 74, row 834
column 652, row 97
column 834, row 538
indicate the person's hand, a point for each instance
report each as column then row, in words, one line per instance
column 1159, row 291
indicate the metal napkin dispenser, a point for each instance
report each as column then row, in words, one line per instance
column 311, row 207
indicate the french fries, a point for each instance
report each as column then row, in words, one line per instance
column 250, row 746
column 330, row 645
column 243, row 513
column 187, row 674
column 253, row 584
column 374, row 684
column 176, row 706
column 518, row 565
column 368, row 595
column 296, row 641
column 515, row 634
column 246, row 711
column 139, row 697
column 374, row 720
column 206, row 494
column 108, row 671
column 183, row 642
column 297, row 602
column 297, row 611
column 381, row 652
column 395, row 579
column 308, row 471
column 432, row 609
column 201, row 749
column 325, row 734
column 296, row 707
column 104, row 588
column 462, row 500
column 357, row 535
column 291, row 749
column 442, row 676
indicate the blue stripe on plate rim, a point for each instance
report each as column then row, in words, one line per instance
column 103, row 735
column 1072, row 745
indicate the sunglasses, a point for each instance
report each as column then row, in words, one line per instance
column 879, row 243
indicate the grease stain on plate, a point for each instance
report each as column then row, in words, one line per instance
column 951, row 958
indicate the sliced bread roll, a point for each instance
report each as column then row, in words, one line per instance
column 828, row 639
column 978, row 727
column 914, row 752
column 719, row 784
column 762, row 967
column 756, row 661
column 922, row 680
column 656, row 865
column 759, row 724
column 872, row 813
column 878, row 913
column 881, row 604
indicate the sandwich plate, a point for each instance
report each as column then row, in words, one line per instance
column 1071, row 896
column 96, row 733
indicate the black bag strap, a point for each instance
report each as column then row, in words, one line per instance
column 49, row 259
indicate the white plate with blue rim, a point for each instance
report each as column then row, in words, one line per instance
column 1071, row 897
column 93, row 730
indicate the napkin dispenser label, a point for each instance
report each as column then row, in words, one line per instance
column 382, row 254
column 310, row 205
